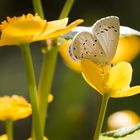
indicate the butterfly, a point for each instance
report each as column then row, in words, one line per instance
column 98, row 43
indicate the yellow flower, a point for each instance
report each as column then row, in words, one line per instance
column 128, row 48
column 113, row 81
column 122, row 118
column 29, row 28
column 14, row 108
column 4, row 137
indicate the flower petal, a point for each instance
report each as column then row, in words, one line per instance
column 19, row 30
column 119, row 77
column 128, row 48
column 60, row 31
column 4, row 137
column 92, row 74
column 75, row 65
column 14, row 108
column 127, row 92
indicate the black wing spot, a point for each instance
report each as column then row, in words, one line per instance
column 95, row 55
column 95, row 40
column 86, row 40
column 84, row 48
column 115, row 30
column 102, row 31
column 74, row 48
column 93, row 44
column 106, row 29
column 109, row 27
column 84, row 43
column 82, row 55
column 113, row 27
column 101, row 52
column 86, row 52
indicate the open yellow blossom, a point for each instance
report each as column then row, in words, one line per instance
column 4, row 137
column 29, row 28
column 14, row 108
column 113, row 81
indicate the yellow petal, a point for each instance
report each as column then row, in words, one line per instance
column 119, row 77
column 20, row 30
column 92, row 74
column 4, row 137
column 14, row 108
column 59, row 31
column 75, row 65
column 127, row 92
column 52, row 26
column 128, row 48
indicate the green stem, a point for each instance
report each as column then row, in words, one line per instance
column 66, row 9
column 45, row 83
column 47, row 71
column 38, row 8
column 37, row 129
column 9, row 129
column 101, row 116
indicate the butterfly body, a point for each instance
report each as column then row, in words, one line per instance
column 98, row 44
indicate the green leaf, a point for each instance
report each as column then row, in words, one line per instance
column 127, row 133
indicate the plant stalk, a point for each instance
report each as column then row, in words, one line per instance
column 105, row 99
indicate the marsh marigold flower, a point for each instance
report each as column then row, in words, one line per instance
column 114, row 81
column 29, row 28
column 14, row 108
column 121, row 119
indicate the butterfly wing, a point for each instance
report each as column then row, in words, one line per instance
column 86, row 46
column 107, row 32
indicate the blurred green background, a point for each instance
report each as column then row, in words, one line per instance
column 74, row 111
